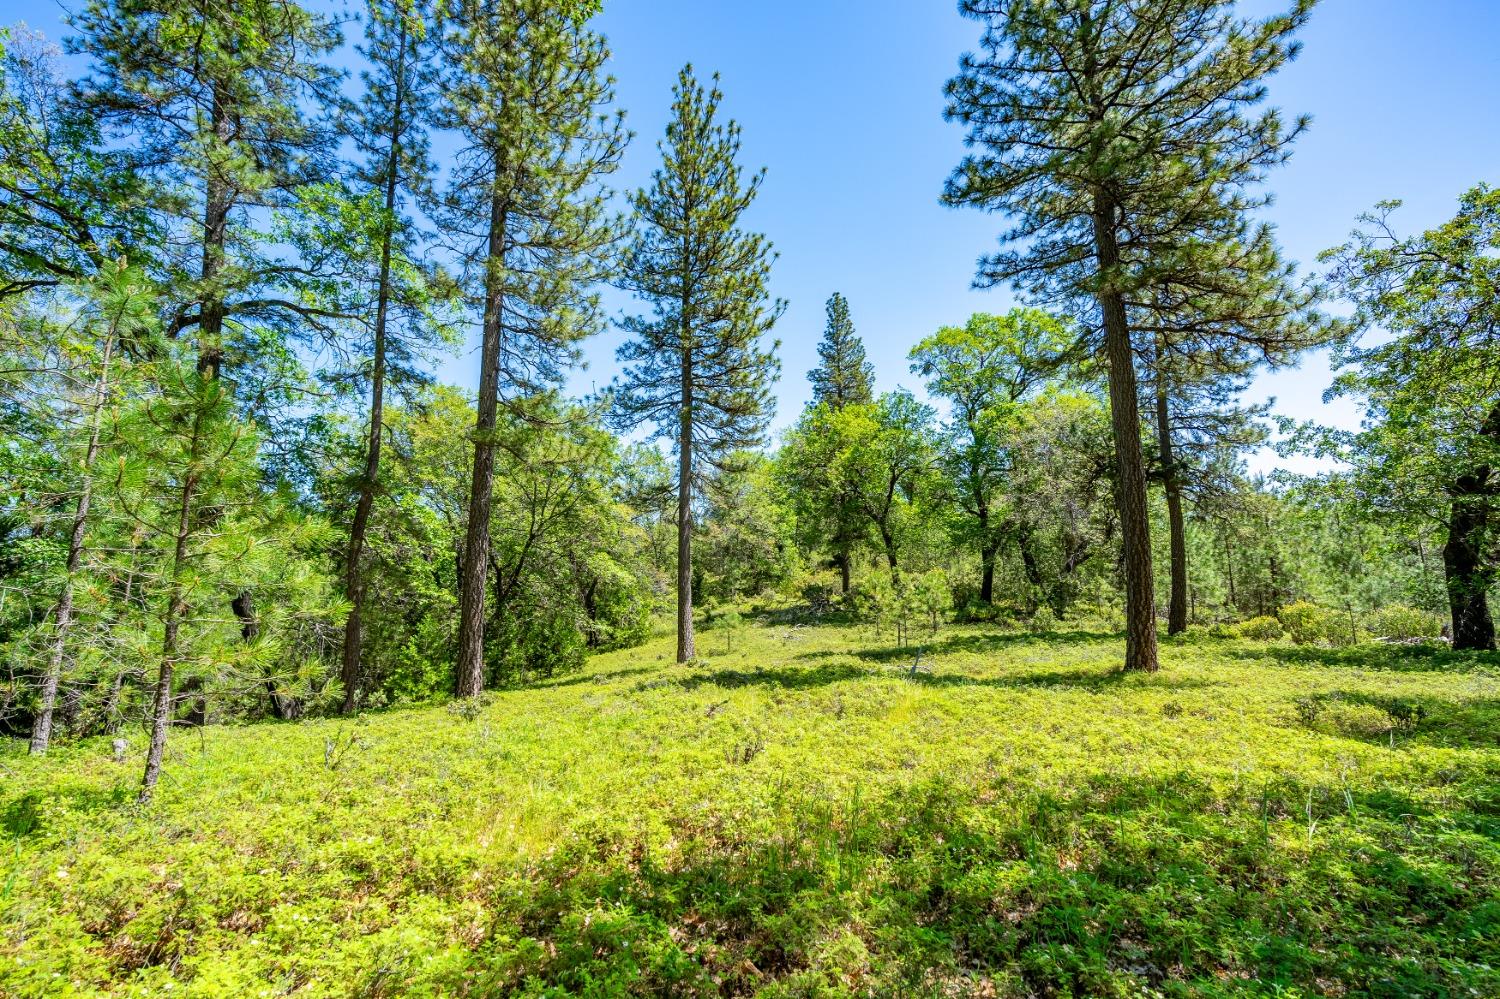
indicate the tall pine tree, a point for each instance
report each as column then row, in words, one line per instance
column 1120, row 138
column 843, row 377
column 525, row 91
column 211, row 101
column 696, row 367
column 391, row 128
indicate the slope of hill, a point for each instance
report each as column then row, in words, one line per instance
column 803, row 815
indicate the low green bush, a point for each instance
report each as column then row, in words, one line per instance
column 1308, row 624
column 1260, row 629
column 1404, row 623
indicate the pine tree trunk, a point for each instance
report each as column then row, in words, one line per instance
column 477, row 538
column 216, row 203
column 41, row 730
column 354, row 587
column 1125, row 422
column 686, row 649
column 1172, row 486
column 161, row 705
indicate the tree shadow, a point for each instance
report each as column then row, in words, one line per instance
column 583, row 678
column 980, row 644
column 1420, row 719
column 1393, row 658
column 800, row 678
column 22, row 816
column 1118, row 885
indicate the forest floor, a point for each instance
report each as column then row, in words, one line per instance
column 799, row 816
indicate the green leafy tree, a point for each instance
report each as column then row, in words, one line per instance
column 695, row 367
column 984, row 369
column 186, row 477
column 1430, row 450
column 525, row 90
column 1119, row 137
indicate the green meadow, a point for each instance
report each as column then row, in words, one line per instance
column 806, row 810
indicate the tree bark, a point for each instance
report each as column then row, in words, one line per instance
column 1177, row 529
column 161, row 706
column 1467, row 581
column 987, row 551
column 844, row 580
column 1467, row 571
column 477, row 538
column 1125, row 422
column 216, row 204
column 686, row 647
column 354, row 587
column 41, row 730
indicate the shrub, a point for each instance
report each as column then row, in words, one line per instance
column 1404, row 622
column 1260, row 629
column 1044, row 620
column 1307, row 623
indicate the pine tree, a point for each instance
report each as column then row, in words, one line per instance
column 209, row 100
column 1118, row 136
column 390, row 127
column 696, row 367
column 525, row 90
column 843, row 377
column 120, row 312
column 1222, row 312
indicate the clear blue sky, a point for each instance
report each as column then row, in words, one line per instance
column 842, row 102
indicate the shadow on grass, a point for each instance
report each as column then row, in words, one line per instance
column 22, row 816
column 1421, row 720
column 1119, row 885
column 582, row 678
column 801, row 678
column 973, row 644
column 1396, row 658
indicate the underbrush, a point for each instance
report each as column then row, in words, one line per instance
column 812, row 812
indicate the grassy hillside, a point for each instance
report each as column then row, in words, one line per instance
column 800, row 816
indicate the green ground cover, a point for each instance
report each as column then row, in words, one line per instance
column 800, row 816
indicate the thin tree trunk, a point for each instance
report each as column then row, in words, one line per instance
column 472, row 569
column 41, row 730
column 844, row 560
column 161, row 707
column 686, row 648
column 1125, row 422
column 1036, row 589
column 1172, row 486
column 354, row 587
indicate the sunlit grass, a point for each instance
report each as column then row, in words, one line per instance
column 803, row 815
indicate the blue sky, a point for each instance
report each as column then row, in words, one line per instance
column 842, row 102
